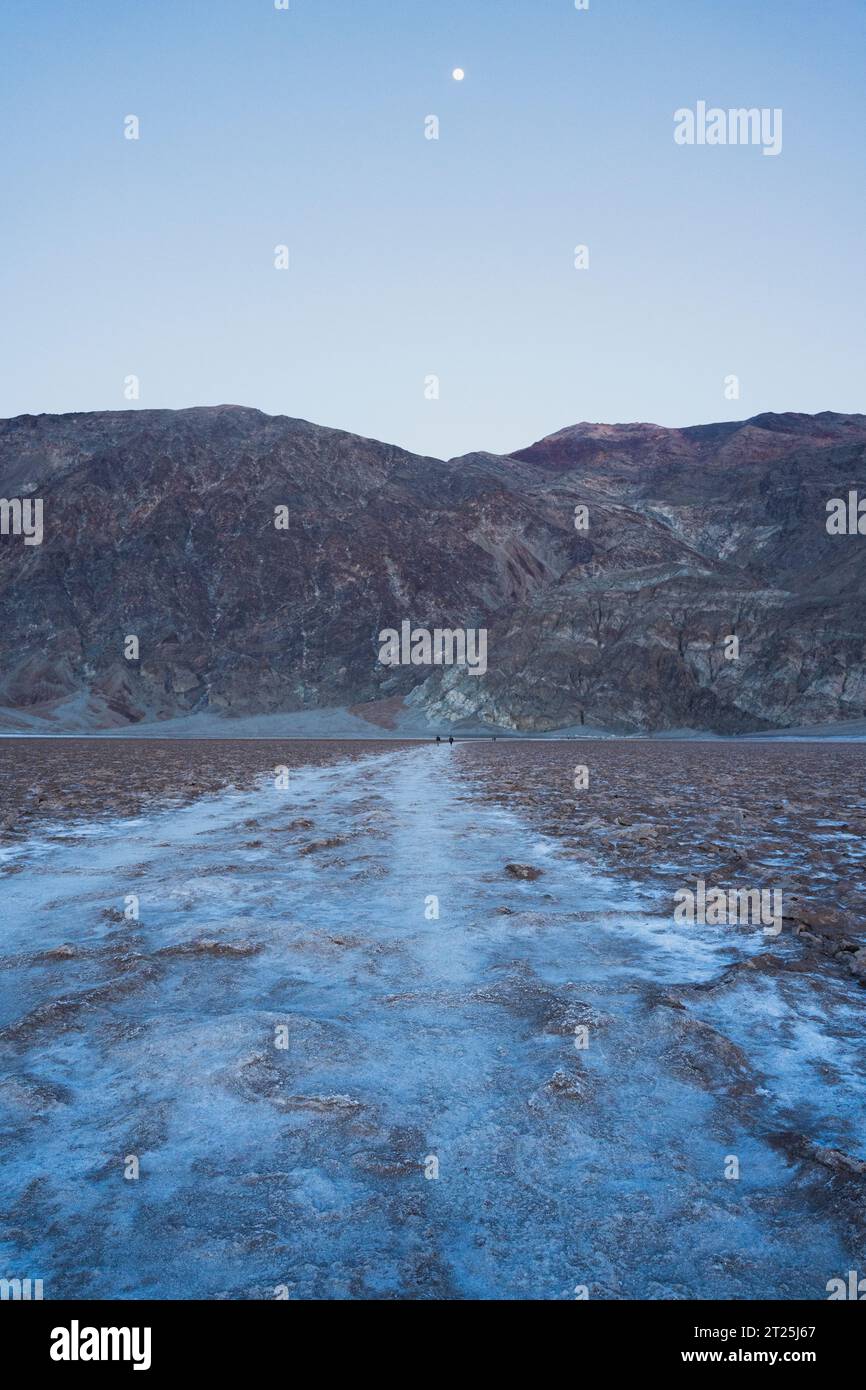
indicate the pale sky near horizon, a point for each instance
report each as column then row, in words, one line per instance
column 412, row 257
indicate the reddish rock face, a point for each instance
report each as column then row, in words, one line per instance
column 160, row 524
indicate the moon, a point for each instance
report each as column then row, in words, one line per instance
column 458, row 74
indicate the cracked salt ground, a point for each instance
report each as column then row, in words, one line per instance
column 407, row 1038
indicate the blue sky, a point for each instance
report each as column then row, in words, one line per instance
column 411, row 257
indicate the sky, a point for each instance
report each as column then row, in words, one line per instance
column 411, row 258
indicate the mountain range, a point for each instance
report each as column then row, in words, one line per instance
column 610, row 564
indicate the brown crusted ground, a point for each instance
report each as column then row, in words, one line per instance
column 81, row 778
column 790, row 816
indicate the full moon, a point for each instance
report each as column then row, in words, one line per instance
column 458, row 74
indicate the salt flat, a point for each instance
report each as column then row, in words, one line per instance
column 343, row 1044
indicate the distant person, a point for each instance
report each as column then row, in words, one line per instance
column 438, row 739
column 450, row 738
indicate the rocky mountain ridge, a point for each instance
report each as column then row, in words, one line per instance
column 161, row 525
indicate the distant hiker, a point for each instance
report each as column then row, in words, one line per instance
column 450, row 738
column 438, row 739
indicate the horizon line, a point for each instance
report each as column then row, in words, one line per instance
column 336, row 429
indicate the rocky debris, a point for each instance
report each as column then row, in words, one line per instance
column 565, row 1016
column 337, row 1105
column 401, row 1154
column 567, row 1085
column 737, row 869
column 33, row 1094
column 666, row 998
column 332, row 842
column 261, row 1077
column 838, row 1162
column 769, row 964
column 834, row 1180
column 70, row 1011
column 857, row 964
column 830, row 931
column 703, row 1054
column 546, row 1008
column 524, row 872
column 274, row 1075
column 563, row 1085
column 212, row 946
column 800, row 1149
column 372, row 870
column 530, row 921
column 818, row 918
column 643, row 833
column 65, row 951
